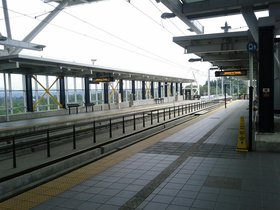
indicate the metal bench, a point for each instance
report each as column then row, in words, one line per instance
column 159, row 100
column 88, row 105
column 73, row 106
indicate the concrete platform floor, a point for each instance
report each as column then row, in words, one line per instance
column 193, row 166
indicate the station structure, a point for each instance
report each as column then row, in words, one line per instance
column 253, row 54
column 194, row 166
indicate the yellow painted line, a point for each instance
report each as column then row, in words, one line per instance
column 44, row 192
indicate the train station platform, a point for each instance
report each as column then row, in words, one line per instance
column 36, row 123
column 191, row 166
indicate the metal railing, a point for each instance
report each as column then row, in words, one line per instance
column 97, row 133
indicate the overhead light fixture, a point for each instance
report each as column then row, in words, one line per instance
column 167, row 15
column 93, row 61
column 195, row 59
column 3, row 38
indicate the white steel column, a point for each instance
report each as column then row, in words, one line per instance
column 7, row 19
column 6, row 98
column 10, row 93
column 222, row 85
column 48, row 96
column 209, row 84
column 24, row 90
column 251, row 68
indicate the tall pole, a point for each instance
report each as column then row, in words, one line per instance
column 216, row 87
column 6, row 99
column 209, row 84
column 7, row 19
column 222, row 85
column 225, row 88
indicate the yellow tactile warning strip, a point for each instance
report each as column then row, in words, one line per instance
column 51, row 189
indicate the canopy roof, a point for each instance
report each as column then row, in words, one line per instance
column 22, row 64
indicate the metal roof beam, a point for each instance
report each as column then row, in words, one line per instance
column 212, row 8
column 20, row 44
column 274, row 12
column 42, row 25
column 252, row 22
column 176, row 7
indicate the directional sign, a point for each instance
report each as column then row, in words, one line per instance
column 252, row 47
column 102, row 79
column 230, row 73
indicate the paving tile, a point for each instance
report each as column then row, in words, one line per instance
column 110, row 192
column 153, row 206
column 133, row 187
column 180, row 201
column 195, row 182
column 102, row 184
column 227, row 199
column 93, row 190
column 118, row 186
column 174, row 186
column 194, row 188
column 168, row 192
column 79, row 188
column 100, row 198
column 207, row 196
column 70, row 203
column 43, row 206
column 227, row 206
column 203, row 204
column 187, row 194
column 178, row 180
column 108, row 207
column 162, row 199
column 119, row 201
column 88, row 205
column 126, row 194
column 57, row 200
column 83, row 196
column 175, row 207
column 68, row 194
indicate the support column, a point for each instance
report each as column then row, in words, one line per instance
column 159, row 89
column 62, row 92
column 266, row 79
column 165, row 89
column 208, row 84
column 29, row 96
column 171, row 89
column 121, row 89
column 133, row 90
column 277, row 80
column 87, row 90
column 143, row 90
column 181, row 88
column 176, row 88
column 106, row 93
column 152, row 89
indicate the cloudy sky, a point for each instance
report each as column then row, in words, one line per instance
column 115, row 33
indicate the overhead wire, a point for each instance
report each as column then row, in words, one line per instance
column 33, row 13
column 149, row 17
column 159, row 58
column 161, row 12
column 121, row 39
column 116, row 37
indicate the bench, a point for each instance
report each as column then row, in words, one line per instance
column 159, row 100
column 73, row 106
column 89, row 105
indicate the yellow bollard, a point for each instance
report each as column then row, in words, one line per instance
column 241, row 141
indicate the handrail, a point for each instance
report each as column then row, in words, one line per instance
column 154, row 115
